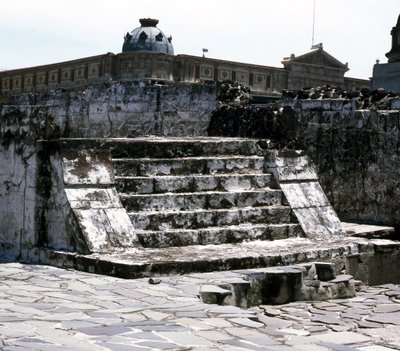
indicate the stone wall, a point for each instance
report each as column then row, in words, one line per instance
column 125, row 109
column 102, row 110
column 357, row 154
column 20, row 127
column 353, row 138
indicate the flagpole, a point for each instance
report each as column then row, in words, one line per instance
column 313, row 26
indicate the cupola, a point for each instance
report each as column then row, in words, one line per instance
column 148, row 37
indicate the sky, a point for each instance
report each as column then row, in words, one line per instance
column 261, row 32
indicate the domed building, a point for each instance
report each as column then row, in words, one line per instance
column 148, row 37
column 148, row 55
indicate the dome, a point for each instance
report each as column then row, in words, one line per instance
column 148, row 37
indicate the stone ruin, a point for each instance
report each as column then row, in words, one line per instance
column 144, row 179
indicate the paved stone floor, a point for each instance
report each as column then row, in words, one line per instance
column 46, row 308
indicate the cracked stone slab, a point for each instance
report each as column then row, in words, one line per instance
column 385, row 318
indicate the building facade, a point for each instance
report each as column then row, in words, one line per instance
column 148, row 54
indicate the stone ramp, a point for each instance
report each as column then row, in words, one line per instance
column 297, row 177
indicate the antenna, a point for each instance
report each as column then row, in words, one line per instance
column 313, row 26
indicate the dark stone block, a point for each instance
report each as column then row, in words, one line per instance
column 325, row 271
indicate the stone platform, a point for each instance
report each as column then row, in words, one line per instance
column 379, row 257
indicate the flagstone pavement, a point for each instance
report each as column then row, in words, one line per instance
column 47, row 308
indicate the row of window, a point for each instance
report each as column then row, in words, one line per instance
column 73, row 73
column 29, row 80
column 260, row 79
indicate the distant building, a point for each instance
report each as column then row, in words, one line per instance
column 387, row 75
column 148, row 54
column 318, row 68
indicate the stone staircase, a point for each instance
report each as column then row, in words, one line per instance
column 200, row 192
column 142, row 207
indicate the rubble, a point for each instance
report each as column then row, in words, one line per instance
column 235, row 116
column 378, row 99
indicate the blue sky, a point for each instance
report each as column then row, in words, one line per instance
column 254, row 31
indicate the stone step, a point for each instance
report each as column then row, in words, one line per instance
column 165, row 220
column 165, row 147
column 218, row 182
column 188, row 165
column 147, row 262
column 181, row 147
column 278, row 286
column 217, row 235
column 201, row 200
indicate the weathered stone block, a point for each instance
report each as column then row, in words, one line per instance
column 92, row 198
column 325, row 271
column 349, row 105
column 123, row 234
column 281, row 285
column 139, row 185
column 343, row 286
column 95, row 229
column 290, row 173
column 172, row 184
column 213, row 294
column 87, row 167
column 315, row 104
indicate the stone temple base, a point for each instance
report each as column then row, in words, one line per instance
column 145, row 207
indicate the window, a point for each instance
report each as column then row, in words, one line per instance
column 159, row 37
column 143, row 36
column 268, row 82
